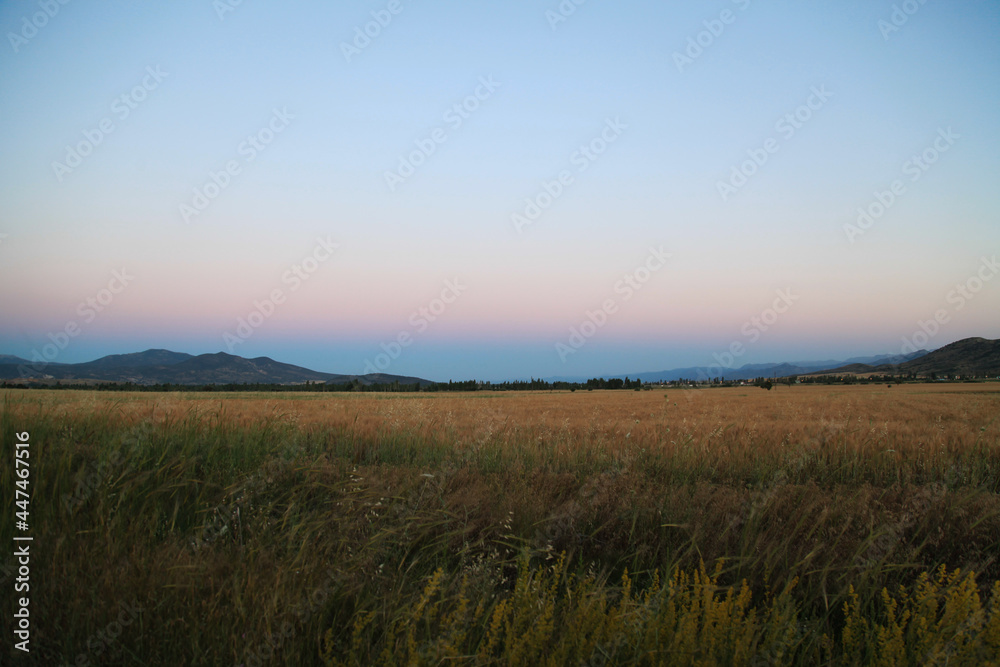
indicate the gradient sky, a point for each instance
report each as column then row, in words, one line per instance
column 682, row 128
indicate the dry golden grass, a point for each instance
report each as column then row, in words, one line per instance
column 223, row 512
column 904, row 419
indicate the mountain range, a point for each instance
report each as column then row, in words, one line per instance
column 753, row 371
column 166, row 367
column 970, row 356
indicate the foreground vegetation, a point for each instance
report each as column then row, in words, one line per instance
column 806, row 525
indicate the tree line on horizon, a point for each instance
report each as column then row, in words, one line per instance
column 533, row 384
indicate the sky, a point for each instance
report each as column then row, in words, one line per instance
column 458, row 190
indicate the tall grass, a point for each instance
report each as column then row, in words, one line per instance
column 556, row 617
column 308, row 531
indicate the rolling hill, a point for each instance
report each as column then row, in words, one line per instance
column 166, row 367
column 750, row 371
column 969, row 356
column 11, row 359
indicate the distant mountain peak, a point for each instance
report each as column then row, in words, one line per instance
column 969, row 356
column 158, row 366
column 11, row 359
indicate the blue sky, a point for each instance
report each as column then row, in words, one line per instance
column 660, row 147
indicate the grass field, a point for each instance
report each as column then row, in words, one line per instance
column 803, row 525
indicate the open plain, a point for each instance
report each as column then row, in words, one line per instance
column 802, row 525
